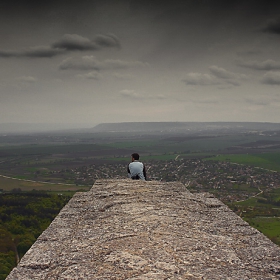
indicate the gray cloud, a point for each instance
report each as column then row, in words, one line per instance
column 43, row 51
column 218, row 76
column 92, row 63
column 88, row 62
column 128, row 93
column 73, row 42
column 230, row 77
column 132, row 94
column 273, row 27
column 69, row 42
column 109, row 40
column 271, row 78
column 117, row 63
column 160, row 97
column 94, row 75
column 205, row 101
column 267, row 65
column 123, row 76
column 40, row 51
column 234, row 83
column 10, row 54
column 221, row 72
column 27, row 79
column 200, row 79
column 259, row 102
column 250, row 52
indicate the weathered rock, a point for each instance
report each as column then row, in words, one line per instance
column 124, row 229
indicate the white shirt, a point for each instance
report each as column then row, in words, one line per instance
column 136, row 168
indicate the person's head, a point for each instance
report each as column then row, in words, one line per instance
column 135, row 156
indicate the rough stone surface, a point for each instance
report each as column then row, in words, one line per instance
column 124, row 229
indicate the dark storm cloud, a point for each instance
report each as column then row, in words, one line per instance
column 69, row 42
column 273, row 27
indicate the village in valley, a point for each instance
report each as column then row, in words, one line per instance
column 229, row 181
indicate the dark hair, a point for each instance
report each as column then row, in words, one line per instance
column 135, row 156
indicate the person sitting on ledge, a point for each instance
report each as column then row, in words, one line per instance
column 136, row 169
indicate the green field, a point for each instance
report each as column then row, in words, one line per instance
column 38, row 149
column 270, row 161
column 270, row 226
column 8, row 184
column 262, row 212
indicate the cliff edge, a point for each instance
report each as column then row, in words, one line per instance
column 124, row 229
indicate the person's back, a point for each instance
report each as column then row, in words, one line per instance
column 136, row 169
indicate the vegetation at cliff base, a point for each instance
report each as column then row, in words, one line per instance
column 23, row 217
column 262, row 212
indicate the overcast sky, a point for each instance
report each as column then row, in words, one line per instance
column 87, row 62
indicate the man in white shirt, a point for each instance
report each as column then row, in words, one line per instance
column 136, row 169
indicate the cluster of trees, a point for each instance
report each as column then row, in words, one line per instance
column 23, row 217
column 270, row 198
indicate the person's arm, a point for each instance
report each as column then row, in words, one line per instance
column 128, row 171
column 144, row 172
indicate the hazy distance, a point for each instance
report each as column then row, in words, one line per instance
column 142, row 127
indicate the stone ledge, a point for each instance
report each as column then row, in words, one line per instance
column 124, row 229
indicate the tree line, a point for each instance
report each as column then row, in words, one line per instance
column 23, row 217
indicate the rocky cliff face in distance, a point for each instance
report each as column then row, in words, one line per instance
column 124, row 229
